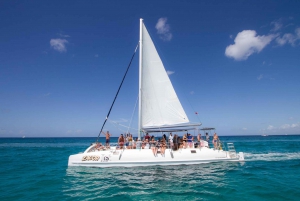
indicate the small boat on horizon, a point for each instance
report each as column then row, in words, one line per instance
column 160, row 111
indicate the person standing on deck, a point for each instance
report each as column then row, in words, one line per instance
column 107, row 138
column 171, row 141
column 147, row 137
column 199, row 139
column 207, row 138
column 215, row 140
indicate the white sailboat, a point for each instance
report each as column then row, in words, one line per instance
column 159, row 111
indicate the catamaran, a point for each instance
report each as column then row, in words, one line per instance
column 160, row 111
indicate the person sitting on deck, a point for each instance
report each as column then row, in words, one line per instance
column 175, row 142
column 153, row 146
column 147, row 146
column 190, row 139
column 138, row 143
column 163, row 146
column 165, row 137
column 134, row 143
column 184, row 139
column 98, row 146
column 121, row 141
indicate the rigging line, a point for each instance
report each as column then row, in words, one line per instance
column 193, row 109
column 117, row 93
column 133, row 113
column 115, row 122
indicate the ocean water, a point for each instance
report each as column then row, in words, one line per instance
column 36, row 169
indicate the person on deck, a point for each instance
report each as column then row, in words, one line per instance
column 147, row 136
column 130, row 141
column 199, row 139
column 153, row 146
column 107, row 138
column 190, row 139
column 207, row 137
column 165, row 137
column 121, row 141
column 215, row 140
column 175, row 142
column 138, row 143
column 171, row 141
column 147, row 146
column 184, row 139
column 163, row 146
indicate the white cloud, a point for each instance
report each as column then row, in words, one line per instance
column 163, row 29
column 289, row 38
column 277, row 25
column 96, row 55
column 170, row 72
column 260, row 76
column 59, row 44
column 246, row 43
column 244, row 129
column 289, row 126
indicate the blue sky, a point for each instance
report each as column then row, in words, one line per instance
column 237, row 63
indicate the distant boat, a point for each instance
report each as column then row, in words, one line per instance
column 264, row 135
column 160, row 111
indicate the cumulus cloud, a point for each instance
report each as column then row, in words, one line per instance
column 170, row 72
column 246, row 43
column 163, row 29
column 289, row 38
column 270, row 127
column 59, row 44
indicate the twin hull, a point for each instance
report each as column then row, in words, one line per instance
column 145, row 157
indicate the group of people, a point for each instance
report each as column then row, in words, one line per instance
column 175, row 142
column 148, row 142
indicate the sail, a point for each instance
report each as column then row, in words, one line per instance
column 159, row 104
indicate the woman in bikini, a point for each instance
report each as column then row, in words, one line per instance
column 163, row 146
column 130, row 141
column 215, row 140
column 121, row 141
column 153, row 146
column 184, row 139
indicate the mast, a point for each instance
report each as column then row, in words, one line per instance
column 140, row 79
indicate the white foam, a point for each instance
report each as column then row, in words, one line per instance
column 272, row 156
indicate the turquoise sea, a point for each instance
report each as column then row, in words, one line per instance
column 36, row 169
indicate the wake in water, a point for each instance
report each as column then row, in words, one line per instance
column 272, row 156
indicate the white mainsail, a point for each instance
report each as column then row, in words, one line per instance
column 159, row 104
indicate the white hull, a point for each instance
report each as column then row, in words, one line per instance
column 145, row 157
